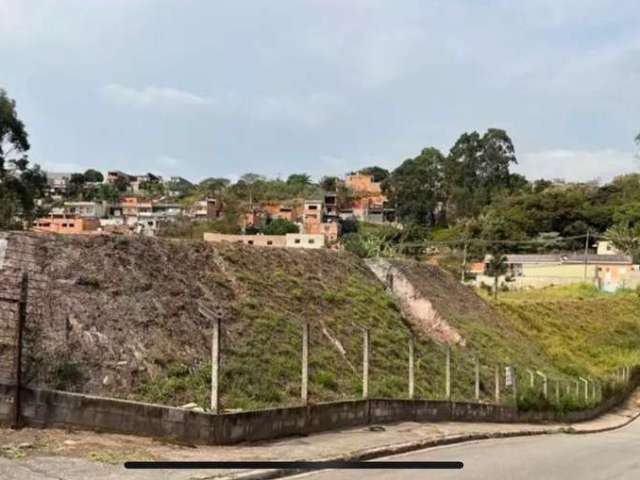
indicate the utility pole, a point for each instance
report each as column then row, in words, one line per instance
column 586, row 255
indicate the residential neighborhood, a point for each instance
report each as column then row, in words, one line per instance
column 330, row 239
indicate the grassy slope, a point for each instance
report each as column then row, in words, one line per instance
column 140, row 307
column 581, row 330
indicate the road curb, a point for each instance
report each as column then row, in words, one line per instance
column 396, row 449
column 387, row 450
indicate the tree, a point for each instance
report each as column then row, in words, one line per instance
column 75, row 186
column 250, row 178
column 213, row 186
column 299, row 179
column 625, row 238
column 93, row 176
column 496, row 267
column 378, row 173
column 19, row 184
column 329, row 184
column 415, row 187
column 280, row 226
column 476, row 168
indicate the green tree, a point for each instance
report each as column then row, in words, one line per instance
column 213, row 186
column 280, row 226
column 19, row 184
column 415, row 187
column 301, row 179
column 496, row 267
column 92, row 175
column 625, row 238
column 379, row 174
column 329, row 184
column 75, row 186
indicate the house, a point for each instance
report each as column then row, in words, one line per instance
column 206, row 209
column 605, row 247
column 609, row 272
column 57, row 183
column 86, row 209
column 312, row 213
column 368, row 203
column 290, row 240
column 70, row 225
column 284, row 211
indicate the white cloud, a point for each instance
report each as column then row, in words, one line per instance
column 577, row 165
column 313, row 109
column 154, row 97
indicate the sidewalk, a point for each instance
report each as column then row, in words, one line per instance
column 53, row 453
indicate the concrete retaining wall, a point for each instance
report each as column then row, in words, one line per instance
column 49, row 408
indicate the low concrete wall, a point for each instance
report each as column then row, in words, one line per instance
column 50, row 408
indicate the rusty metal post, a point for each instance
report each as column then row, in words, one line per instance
column 22, row 316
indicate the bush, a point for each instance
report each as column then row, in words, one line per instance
column 68, row 375
column 280, row 226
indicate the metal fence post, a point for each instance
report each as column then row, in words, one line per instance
column 586, row 388
column 477, row 379
column 447, row 373
column 304, row 394
column 215, row 367
column 496, row 381
column 365, row 364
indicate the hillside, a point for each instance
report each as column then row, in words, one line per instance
column 119, row 316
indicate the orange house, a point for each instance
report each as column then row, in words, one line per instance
column 67, row 225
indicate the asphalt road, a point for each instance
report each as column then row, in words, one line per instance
column 609, row 455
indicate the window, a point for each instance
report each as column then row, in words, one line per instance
column 311, row 241
column 269, row 242
column 71, row 225
column 313, row 207
column 250, row 242
column 297, row 240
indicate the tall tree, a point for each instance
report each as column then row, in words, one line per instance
column 378, row 173
column 299, row 179
column 415, row 187
column 476, row 168
column 92, row 175
column 19, row 183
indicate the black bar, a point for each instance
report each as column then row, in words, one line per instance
column 384, row 465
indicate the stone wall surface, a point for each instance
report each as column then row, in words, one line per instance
column 50, row 408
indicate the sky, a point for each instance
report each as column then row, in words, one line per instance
column 212, row 88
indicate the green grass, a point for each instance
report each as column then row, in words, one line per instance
column 564, row 331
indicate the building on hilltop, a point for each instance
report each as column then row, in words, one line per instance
column 289, row 240
column 368, row 203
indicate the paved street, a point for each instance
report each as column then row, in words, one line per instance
column 609, row 455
